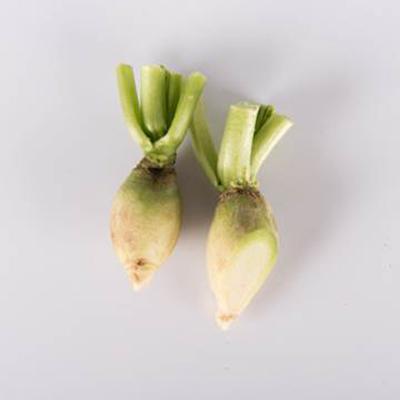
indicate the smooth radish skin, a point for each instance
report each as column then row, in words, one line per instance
column 243, row 239
column 242, row 249
column 146, row 220
column 147, row 210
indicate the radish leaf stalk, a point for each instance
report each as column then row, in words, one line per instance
column 153, row 97
column 235, row 152
column 130, row 106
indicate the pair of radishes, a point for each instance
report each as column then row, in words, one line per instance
column 147, row 209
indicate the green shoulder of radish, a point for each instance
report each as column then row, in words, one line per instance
column 147, row 209
column 243, row 239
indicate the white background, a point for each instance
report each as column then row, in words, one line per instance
column 326, row 324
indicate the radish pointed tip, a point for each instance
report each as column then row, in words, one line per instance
column 224, row 320
column 140, row 277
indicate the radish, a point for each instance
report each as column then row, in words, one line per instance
column 243, row 239
column 147, row 209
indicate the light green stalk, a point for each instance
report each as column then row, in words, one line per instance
column 130, row 106
column 203, row 145
column 190, row 95
column 153, row 90
column 264, row 114
column 266, row 139
column 235, row 152
column 174, row 92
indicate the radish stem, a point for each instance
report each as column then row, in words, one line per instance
column 266, row 139
column 235, row 152
column 130, row 106
column 174, row 91
column 203, row 145
column 190, row 94
column 153, row 89
column 263, row 114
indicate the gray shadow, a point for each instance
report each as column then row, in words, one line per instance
column 307, row 192
column 189, row 280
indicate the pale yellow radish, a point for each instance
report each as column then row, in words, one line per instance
column 147, row 210
column 242, row 244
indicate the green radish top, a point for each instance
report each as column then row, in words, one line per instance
column 161, row 119
column 251, row 132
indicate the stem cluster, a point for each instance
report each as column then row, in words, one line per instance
column 160, row 120
column 251, row 131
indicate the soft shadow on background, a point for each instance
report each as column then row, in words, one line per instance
column 189, row 280
column 307, row 191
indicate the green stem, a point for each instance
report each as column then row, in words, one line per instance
column 190, row 95
column 263, row 114
column 203, row 145
column 174, row 91
column 235, row 152
column 266, row 138
column 130, row 105
column 153, row 97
